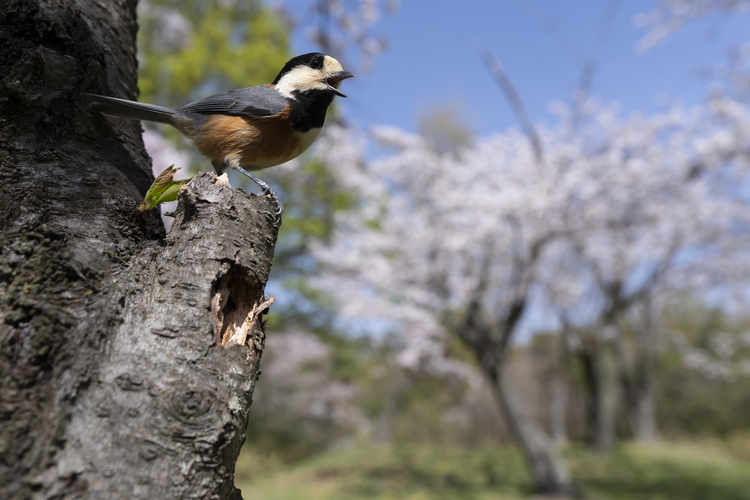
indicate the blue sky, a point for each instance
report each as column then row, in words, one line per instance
column 432, row 59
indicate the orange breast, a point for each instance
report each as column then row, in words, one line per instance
column 257, row 143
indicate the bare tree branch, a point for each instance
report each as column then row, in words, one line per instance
column 501, row 77
column 590, row 65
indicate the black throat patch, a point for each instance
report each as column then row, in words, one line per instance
column 309, row 108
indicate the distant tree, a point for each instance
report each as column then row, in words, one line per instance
column 451, row 243
column 644, row 216
column 469, row 242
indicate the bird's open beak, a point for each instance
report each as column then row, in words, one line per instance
column 335, row 79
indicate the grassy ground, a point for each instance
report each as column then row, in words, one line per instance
column 657, row 472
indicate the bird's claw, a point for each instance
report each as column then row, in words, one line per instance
column 277, row 200
column 266, row 190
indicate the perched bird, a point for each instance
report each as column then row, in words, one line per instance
column 253, row 128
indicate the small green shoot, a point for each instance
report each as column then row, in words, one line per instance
column 163, row 189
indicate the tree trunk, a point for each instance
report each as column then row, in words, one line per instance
column 585, row 357
column 547, row 467
column 490, row 341
column 385, row 429
column 558, row 411
column 113, row 385
column 638, row 382
column 559, row 394
column 601, row 385
column 605, row 399
column 644, row 415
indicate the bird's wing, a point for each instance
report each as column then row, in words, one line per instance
column 254, row 102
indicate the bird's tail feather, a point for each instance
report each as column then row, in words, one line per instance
column 113, row 106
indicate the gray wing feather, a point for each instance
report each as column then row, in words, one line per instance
column 255, row 102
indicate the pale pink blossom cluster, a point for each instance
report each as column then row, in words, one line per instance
column 644, row 201
column 725, row 357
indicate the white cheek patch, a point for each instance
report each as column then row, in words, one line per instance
column 301, row 78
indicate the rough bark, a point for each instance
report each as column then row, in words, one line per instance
column 113, row 385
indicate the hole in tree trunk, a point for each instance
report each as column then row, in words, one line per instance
column 233, row 303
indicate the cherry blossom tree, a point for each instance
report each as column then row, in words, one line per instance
column 450, row 243
column 655, row 206
column 469, row 242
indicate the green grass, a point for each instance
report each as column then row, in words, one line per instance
column 663, row 472
column 658, row 472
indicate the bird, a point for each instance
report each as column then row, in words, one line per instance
column 252, row 128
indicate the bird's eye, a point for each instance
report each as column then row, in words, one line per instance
column 316, row 63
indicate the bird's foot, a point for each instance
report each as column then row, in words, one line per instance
column 266, row 190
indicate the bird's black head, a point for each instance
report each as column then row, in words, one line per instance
column 309, row 73
column 312, row 60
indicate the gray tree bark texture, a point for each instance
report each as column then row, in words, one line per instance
column 114, row 380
